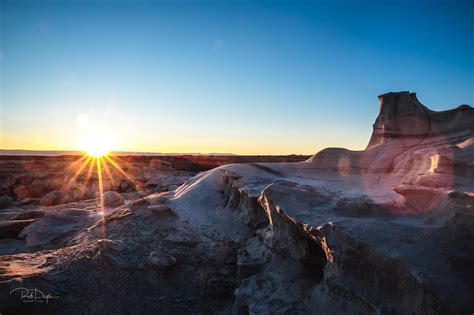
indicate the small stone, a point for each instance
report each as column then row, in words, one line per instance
column 160, row 260
column 160, row 209
column 159, row 200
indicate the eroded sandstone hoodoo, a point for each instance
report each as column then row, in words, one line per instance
column 402, row 117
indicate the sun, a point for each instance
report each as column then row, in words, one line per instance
column 95, row 145
column 97, row 152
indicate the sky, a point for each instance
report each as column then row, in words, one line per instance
column 243, row 77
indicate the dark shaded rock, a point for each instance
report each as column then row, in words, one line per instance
column 29, row 202
column 251, row 259
column 365, row 207
column 221, row 252
column 35, row 214
column 219, row 288
column 141, row 202
column 462, row 219
column 5, row 201
column 12, row 228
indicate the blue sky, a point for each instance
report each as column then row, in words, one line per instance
column 245, row 77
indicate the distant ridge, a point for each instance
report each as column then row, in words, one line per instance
column 4, row 152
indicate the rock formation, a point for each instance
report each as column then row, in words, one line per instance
column 388, row 229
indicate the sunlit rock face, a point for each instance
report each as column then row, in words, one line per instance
column 385, row 230
column 402, row 117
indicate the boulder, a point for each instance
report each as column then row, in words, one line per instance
column 112, row 199
column 52, row 198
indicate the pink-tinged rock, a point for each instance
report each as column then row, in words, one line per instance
column 21, row 192
column 52, row 198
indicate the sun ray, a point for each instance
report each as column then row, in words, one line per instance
column 78, row 172
column 107, row 170
column 101, row 187
column 89, row 173
column 129, row 177
column 123, row 162
column 76, row 162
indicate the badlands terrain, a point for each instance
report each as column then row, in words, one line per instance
column 386, row 230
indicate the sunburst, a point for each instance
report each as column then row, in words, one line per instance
column 97, row 157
